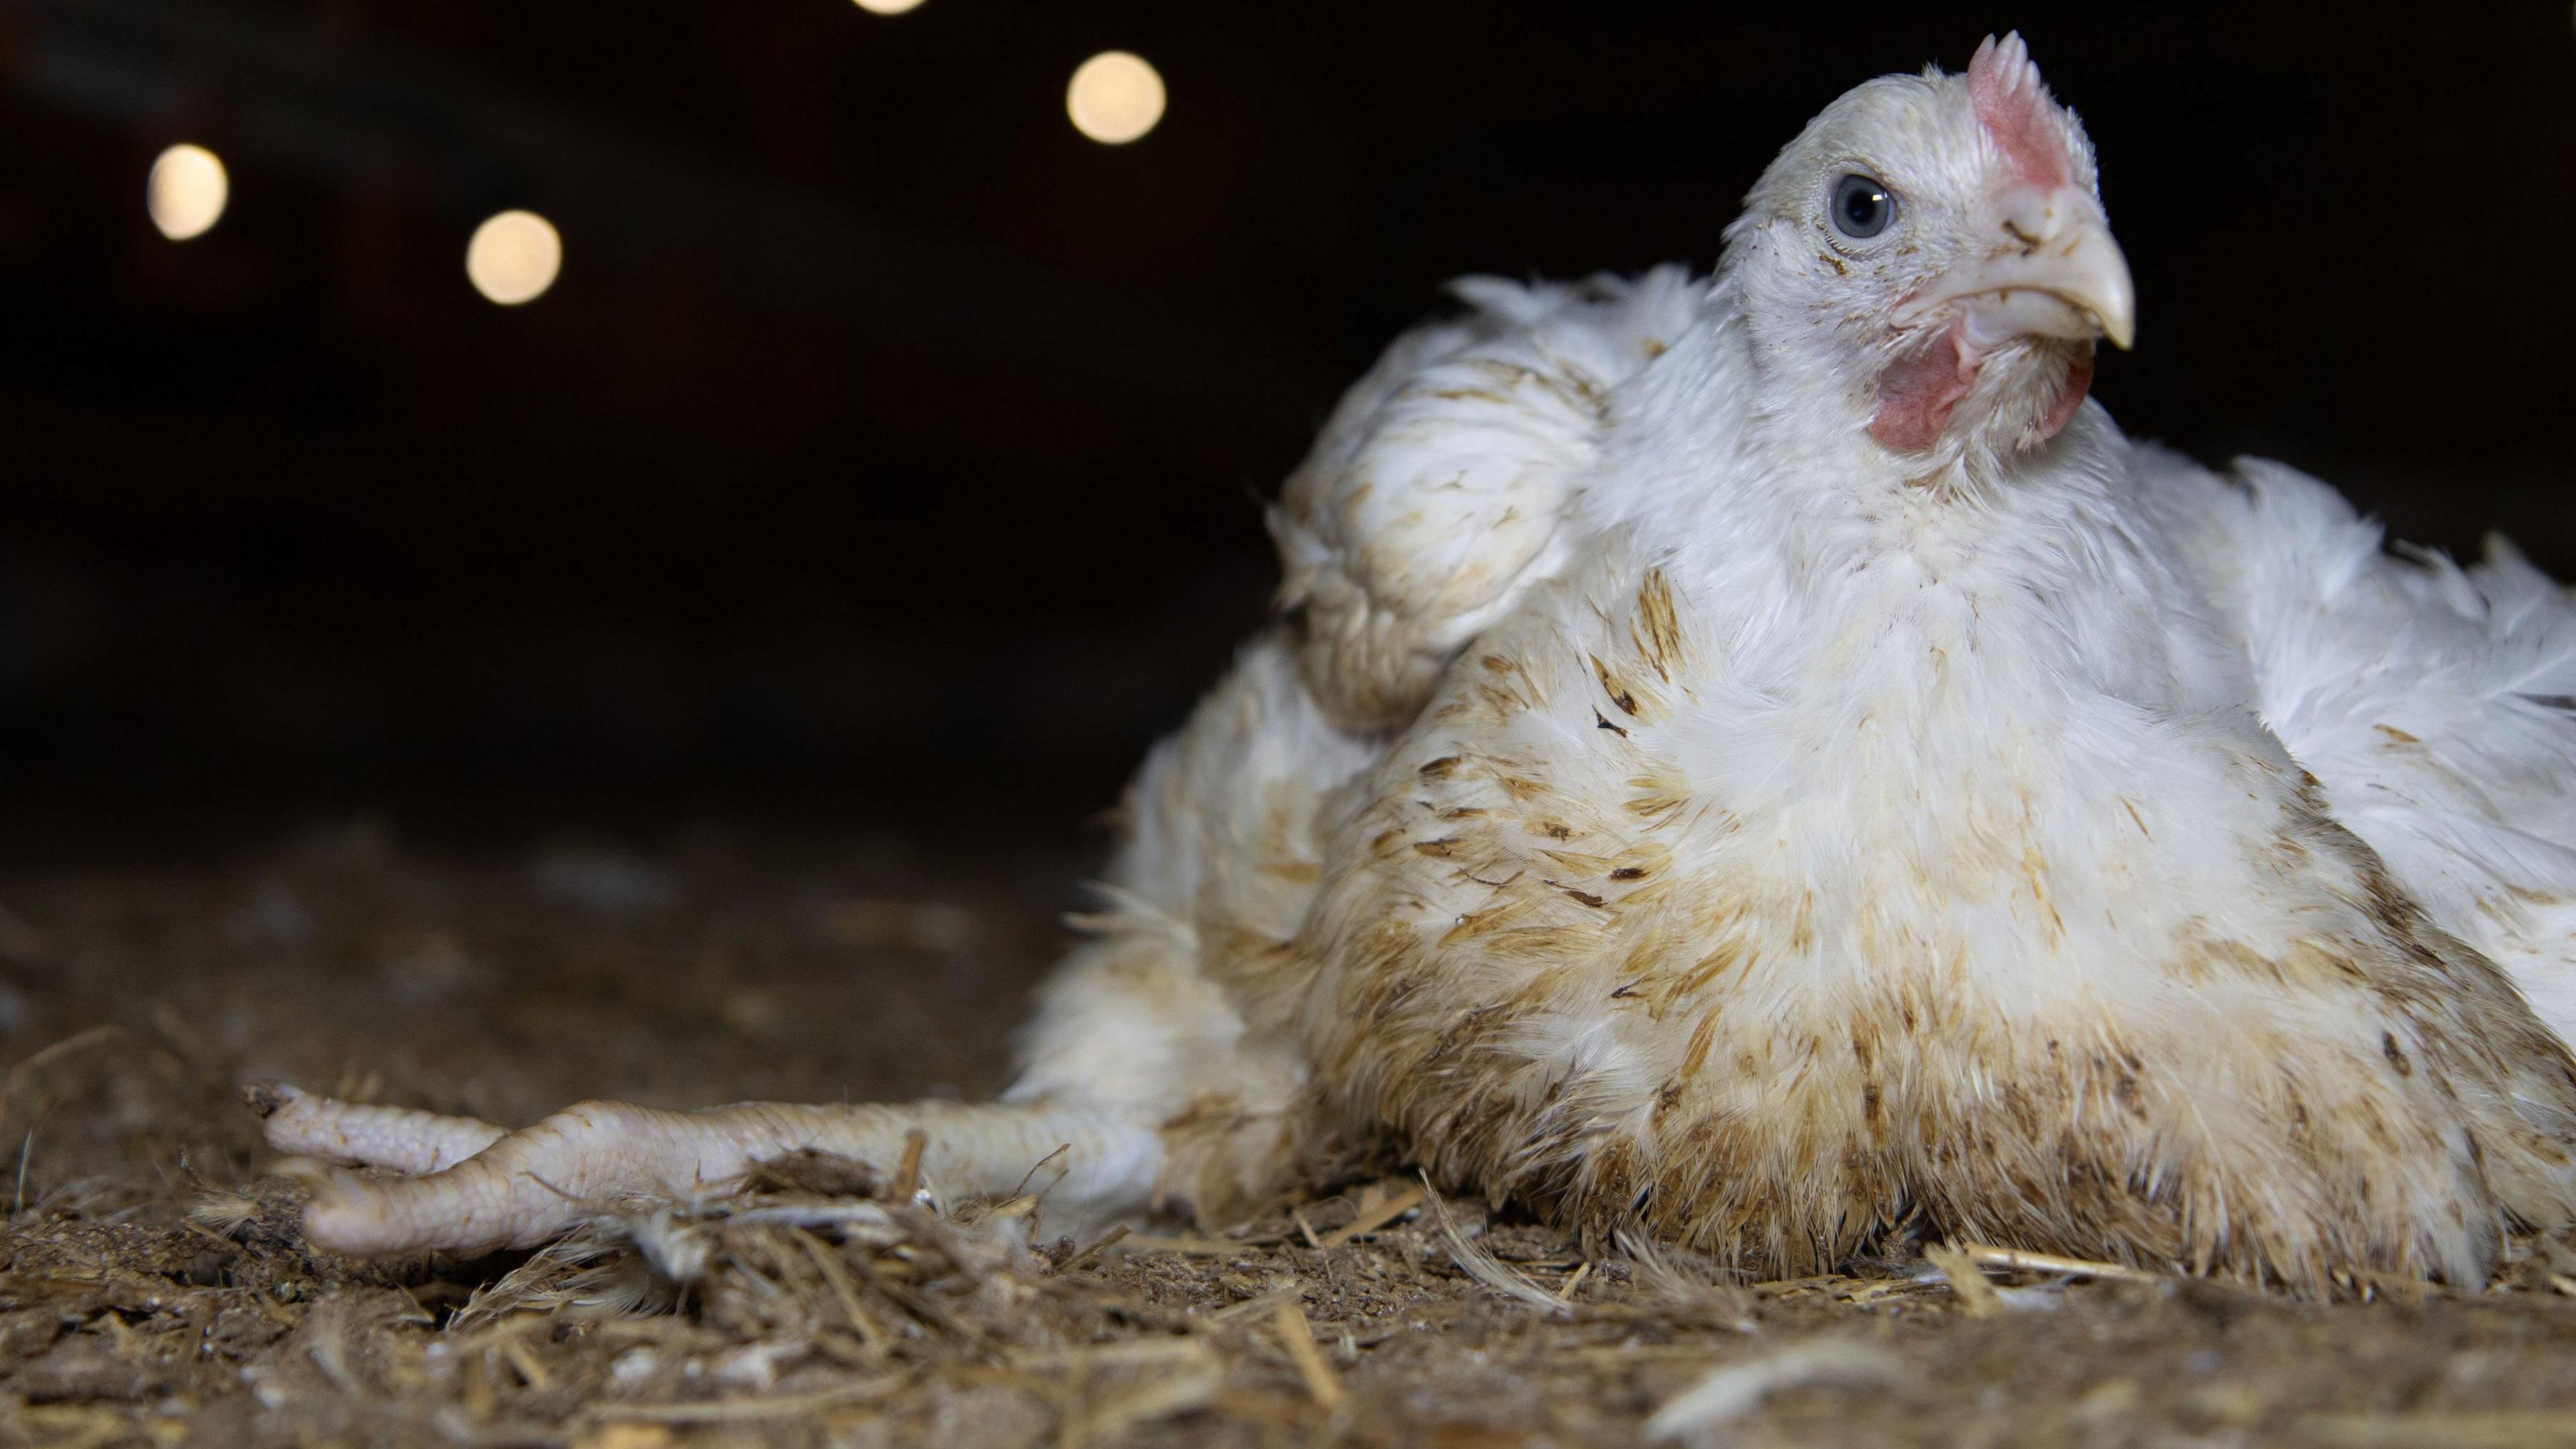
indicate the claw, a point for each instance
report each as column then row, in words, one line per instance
column 266, row 1097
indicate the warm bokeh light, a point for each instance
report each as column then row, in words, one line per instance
column 888, row 7
column 186, row 191
column 514, row 257
column 1115, row 98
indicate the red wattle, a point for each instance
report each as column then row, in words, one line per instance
column 1917, row 392
column 2079, row 381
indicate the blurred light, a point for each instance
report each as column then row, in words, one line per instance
column 514, row 257
column 186, row 192
column 1115, row 98
column 888, row 7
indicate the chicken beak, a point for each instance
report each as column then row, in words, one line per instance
column 2059, row 274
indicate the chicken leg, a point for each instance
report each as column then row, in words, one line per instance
column 475, row 1188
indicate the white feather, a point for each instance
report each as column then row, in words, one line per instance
column 2436, row 704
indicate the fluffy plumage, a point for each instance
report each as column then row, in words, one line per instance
column 1758, row 756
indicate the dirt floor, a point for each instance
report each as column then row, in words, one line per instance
column 154, row 1288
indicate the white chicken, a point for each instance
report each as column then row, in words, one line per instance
column 1754, row 757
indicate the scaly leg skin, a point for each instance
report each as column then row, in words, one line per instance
column 519, row 1189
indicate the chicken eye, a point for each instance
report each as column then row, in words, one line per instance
column 1863, row 206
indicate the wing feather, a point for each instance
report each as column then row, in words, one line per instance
column 2436, row 705
column 1436, row 492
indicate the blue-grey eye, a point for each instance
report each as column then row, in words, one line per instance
column 1863, row 206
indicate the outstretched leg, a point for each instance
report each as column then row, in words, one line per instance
column 525, row 1187
column 1143, row 1066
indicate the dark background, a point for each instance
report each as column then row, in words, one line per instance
column 888, row 455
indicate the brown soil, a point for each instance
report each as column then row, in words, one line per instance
column 154, row 1289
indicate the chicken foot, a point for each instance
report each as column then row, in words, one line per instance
column 475, row 1188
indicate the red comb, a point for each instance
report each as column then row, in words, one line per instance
column 2012, row 104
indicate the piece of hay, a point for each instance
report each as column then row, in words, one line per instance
column 1373, row 1218
column 836, row 1275
column 907, row 1170
column 1188, row 1246
column 1986, row 1255
column 1259, row 1303
column 1977, row 1297
column 1660, row 1271
column 1131, row 1353
column 1701, row 1413
column 1298, row 1337
column 1191, row 1389
column 223, row 1213
column 2442, row 1429
column 1108, row 1239
column 736, row 1411
column 1480, row 1264
column 1305, row 1227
